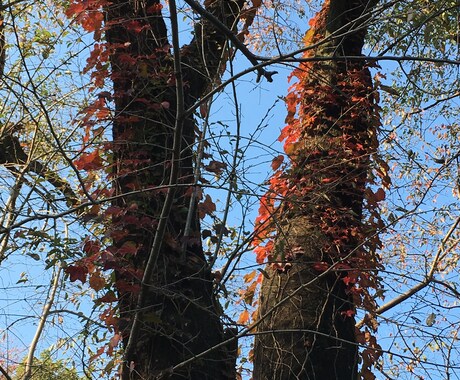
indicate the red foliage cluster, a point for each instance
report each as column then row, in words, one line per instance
column 89, row 14
column 134, row 170
column 324, row 173
column 98, row 254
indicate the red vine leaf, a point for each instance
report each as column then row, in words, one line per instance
column 379, row 195
column 321, row 266
column 96, row 281
column 135, row 26
column 277, row 161
column 91, row 247
column 207, row 207
column 77, row 273
column 216, row 167
column 109, row 297
column 89, row 161
column 155, row 8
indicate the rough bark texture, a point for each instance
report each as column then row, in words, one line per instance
column 179, row 318
column 304, row 331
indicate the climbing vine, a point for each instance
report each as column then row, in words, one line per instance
column 328, row 175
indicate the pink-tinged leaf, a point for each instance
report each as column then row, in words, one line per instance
column 348, row 313
column 98, row 353
column 347, row 280
column 203, row 110
column 114, row 340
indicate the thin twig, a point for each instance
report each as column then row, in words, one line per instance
column 34, row 91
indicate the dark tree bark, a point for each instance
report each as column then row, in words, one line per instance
column 305, row 329
column 178, row 314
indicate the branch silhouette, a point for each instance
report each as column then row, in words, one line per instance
column 13, row 155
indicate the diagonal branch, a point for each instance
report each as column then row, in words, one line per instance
column 224, row 30
column 12, row 154
column 41, row 325
column 420, row 286
column 4, row 373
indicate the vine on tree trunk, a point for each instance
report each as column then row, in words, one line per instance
column 319, row 219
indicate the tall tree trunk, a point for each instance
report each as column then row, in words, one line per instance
column 306, row 327
column 178, row 317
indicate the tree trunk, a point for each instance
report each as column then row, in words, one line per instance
column 178, row 314
column 306, row 327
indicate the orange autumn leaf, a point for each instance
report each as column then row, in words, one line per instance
column 261, row 254
column 244, row 317
column 291, row 148
column 249, row 276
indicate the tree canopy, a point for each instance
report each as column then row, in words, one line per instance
column 180, row 182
